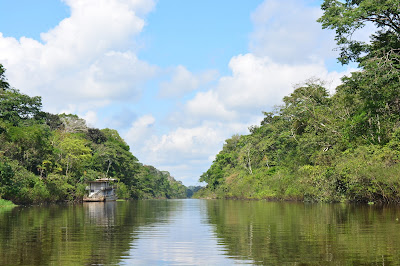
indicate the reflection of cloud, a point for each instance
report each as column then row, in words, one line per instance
column 184, row 237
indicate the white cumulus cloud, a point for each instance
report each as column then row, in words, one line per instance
column 187, row 152
column 139, row 132
column 88, row 58
column 287, row 32
column 256, row 84
column 184, row 81
column 287, row 47
column 90, row 118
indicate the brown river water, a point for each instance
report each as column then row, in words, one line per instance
column 200, row 232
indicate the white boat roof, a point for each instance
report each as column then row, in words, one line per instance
column 103, row 180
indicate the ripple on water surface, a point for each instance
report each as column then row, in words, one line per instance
column 200, row 232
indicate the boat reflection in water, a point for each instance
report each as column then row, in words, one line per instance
column 101, row 213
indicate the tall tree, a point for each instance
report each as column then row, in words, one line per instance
column 73, row 123
column 346, row 17
column 3, row 81
column 375, row 89
column 16, row 106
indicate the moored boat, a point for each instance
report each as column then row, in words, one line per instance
column 101, row 190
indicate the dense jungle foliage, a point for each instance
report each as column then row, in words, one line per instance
column 48, row 158
column 321, row 147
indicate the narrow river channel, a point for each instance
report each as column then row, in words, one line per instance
column 200, row 232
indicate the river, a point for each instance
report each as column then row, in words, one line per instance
column 200, row 232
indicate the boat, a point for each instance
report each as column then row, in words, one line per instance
column 101, row 189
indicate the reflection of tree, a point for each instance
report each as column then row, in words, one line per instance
column 276, row 233
column 69, row 235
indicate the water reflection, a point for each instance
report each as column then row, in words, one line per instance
column 296, row 233
column 199, row 232
column 92, row 234
column 101, row 213
column 183, row 237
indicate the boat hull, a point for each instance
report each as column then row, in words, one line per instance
column 99, row 199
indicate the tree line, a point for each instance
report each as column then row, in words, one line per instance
column 322, row 147
column 48, row 157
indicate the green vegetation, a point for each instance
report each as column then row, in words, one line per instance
column 6, row 203
column 48, row 158
column 191, row 190
column 321, row 147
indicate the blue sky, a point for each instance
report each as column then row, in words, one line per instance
column 196, row 34
column 175, row 78
column 30, row 18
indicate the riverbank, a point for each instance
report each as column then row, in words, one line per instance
column 6, row 203
column 208, row 195
column 373, row 183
